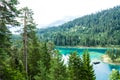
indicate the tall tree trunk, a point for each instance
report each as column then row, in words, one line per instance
column 25, row 44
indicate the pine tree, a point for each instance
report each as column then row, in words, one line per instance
column 43, row 63
column 41, row 71
column 87, row 68
column 115, row 75
column 31, row 45
column 8, row 13
column 34, row 59
column 75, row 66
column 58, row 68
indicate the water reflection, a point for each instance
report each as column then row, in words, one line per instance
column 102, row 70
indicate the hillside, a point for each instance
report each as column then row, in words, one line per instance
column 100, row 29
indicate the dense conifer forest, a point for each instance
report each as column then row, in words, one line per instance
column 99, row 29
column 24, row 57
column 31, row 55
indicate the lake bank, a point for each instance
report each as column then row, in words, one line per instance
column 102, row 70
column 91, row 47
column 86, row 47
column 106, row 59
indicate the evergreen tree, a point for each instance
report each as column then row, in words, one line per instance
column 34, row 59
column 89, row 30
column 8, row 13
column 32, row 53
column 41, row 74
column 58, row 68
column 75, row 66
column 87, row 68
column 115, row 75
column 43, row 64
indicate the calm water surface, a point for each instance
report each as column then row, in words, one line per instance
column 102, row 70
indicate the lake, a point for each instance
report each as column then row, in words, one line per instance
column 102, row 70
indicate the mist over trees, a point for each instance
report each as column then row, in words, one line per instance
column 99, row 29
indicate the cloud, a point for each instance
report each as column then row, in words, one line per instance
column 48, row 11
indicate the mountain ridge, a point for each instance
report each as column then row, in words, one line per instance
column 89, row 30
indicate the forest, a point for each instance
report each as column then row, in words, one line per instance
column 98, row 29
column 32, row 55
column 114, row 55
column 24, row 57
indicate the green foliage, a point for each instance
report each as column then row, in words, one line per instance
column 75, row 67
column 33, row 57
column 114, row 54
column 58, row 68
column 39, row 61
column 41, row 71
column 80, row 69
column 115, row 75
column 44, row 63
column 8, row 13
column 88, row 68
column 100, row 29
column 11, row 73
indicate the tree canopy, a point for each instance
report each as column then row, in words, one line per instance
column 101, row 28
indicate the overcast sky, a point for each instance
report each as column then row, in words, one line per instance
column 48, row 11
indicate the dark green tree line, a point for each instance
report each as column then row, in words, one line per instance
column 99, row 29
column 41, row 62
column 80, row 69
column 8, row 13
column 114, row 54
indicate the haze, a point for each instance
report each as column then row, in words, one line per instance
column 49, row 11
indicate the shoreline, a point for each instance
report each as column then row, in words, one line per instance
column 107, row 60
column 91, row 47
column 104, row 58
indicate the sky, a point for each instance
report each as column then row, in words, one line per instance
column 49, row 11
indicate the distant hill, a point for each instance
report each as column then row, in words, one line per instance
column 61, row 21
column 100, row 29
column 58, row 22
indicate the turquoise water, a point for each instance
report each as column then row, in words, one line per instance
column 102, row 70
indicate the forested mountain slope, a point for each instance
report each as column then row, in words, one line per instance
column 102, row 28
